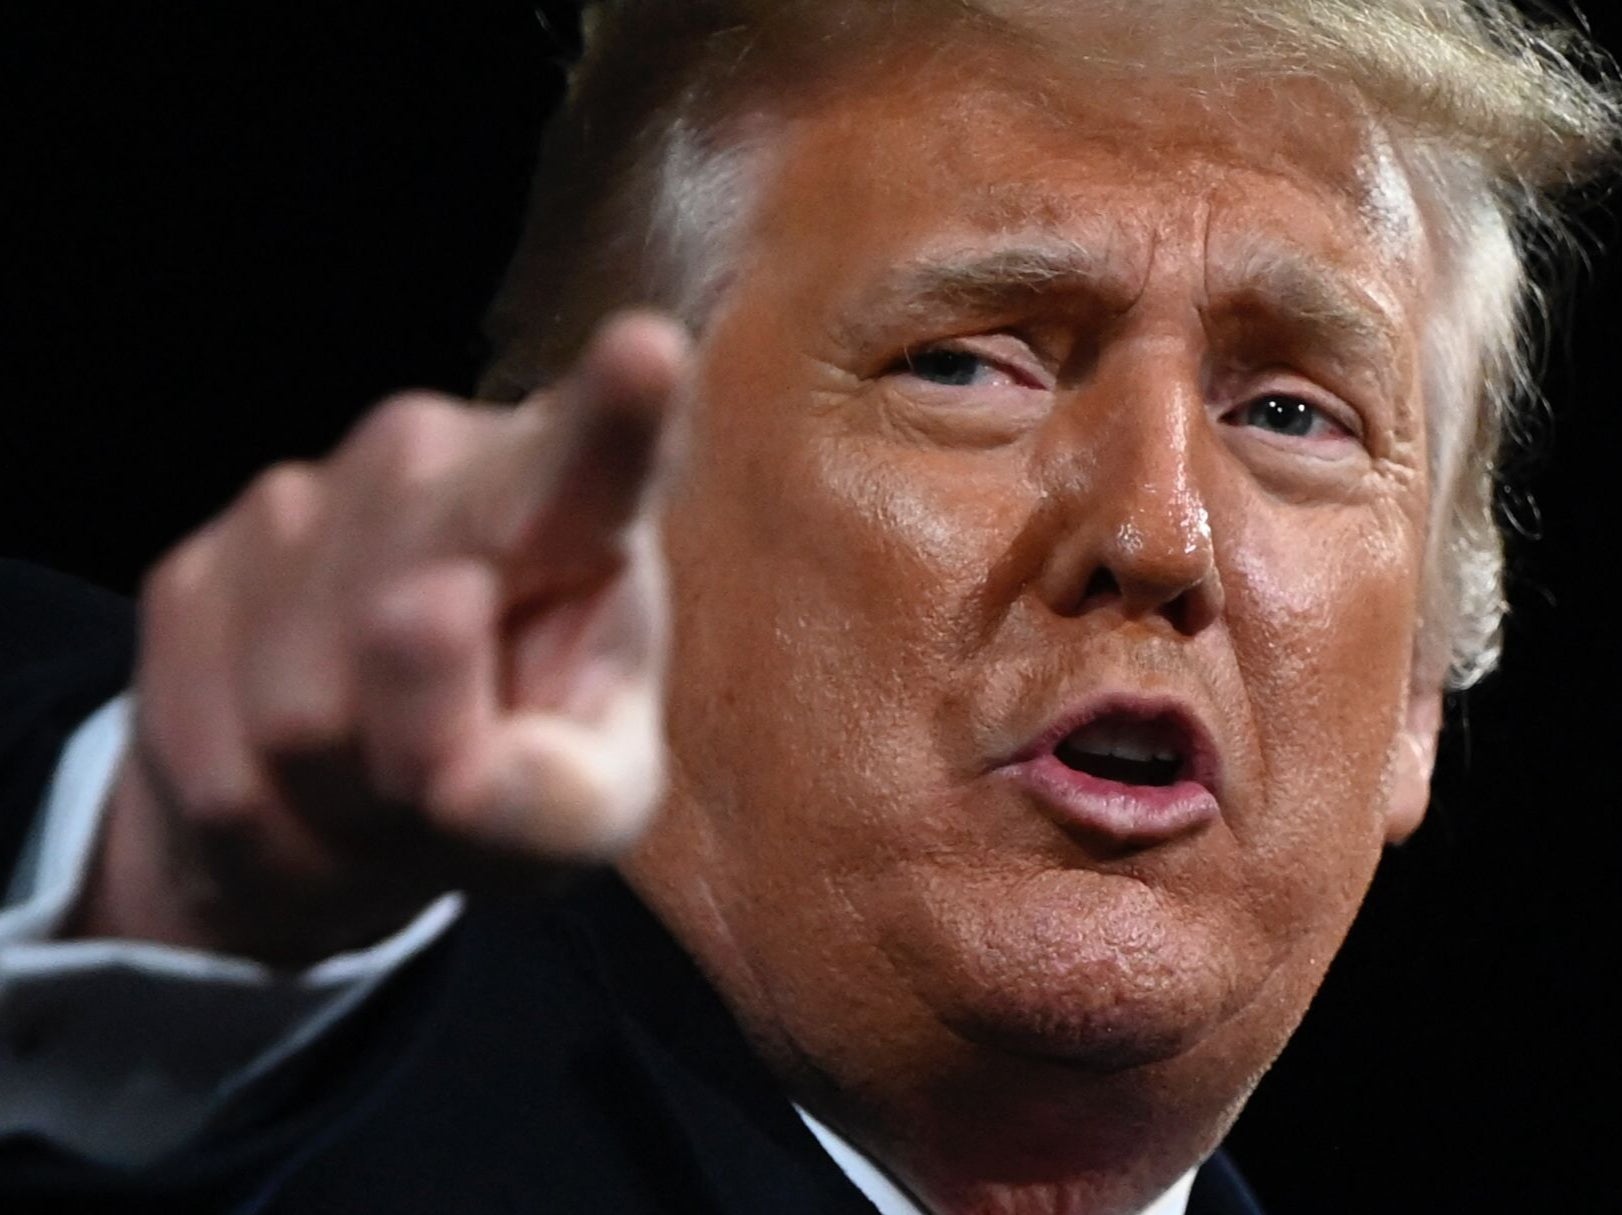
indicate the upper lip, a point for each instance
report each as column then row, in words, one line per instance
column 1201, row 757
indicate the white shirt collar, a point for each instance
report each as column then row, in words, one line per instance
column 890, row 1199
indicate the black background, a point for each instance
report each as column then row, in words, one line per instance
column 225, row 231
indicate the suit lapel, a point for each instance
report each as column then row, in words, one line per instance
column 1220, row 1190
column 743, row 1145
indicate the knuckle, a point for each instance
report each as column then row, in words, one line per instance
column 174, row 581
column 216, row 803
column 174, row 601
column 414, row 436
column 411, row 626
column 454, row 807
column 459, row 800
column 283, row 501
column 405, row 409
column 433, row 618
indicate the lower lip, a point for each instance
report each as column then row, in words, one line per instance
column 1135, row 815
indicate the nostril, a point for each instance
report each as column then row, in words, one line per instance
column 1194, row 609
column 1102, row 585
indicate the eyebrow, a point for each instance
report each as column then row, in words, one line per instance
column 1290, row 290
column 994, row 280
column 1298, row 291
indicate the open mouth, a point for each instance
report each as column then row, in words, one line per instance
column 1152, row 751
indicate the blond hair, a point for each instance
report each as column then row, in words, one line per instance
column 1497, row 119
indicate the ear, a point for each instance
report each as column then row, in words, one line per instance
column 1416, row 757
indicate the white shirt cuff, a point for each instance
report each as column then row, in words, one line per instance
column 122, row 1052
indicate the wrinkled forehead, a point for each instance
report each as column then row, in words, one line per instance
column 1007, row 136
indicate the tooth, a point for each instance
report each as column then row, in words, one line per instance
column 1132, row 747
column 1132, row 741
column 1095, row 739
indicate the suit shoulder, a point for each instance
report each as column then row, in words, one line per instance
column 49, row 618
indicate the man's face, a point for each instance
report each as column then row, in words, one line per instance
column 1047, row 564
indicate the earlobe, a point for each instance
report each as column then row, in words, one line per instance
column 1411, row 771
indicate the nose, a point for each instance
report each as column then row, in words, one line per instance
column 1124, row 474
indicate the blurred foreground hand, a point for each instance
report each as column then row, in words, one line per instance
column 378, row 677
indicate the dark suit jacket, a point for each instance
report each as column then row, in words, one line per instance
column 552, row 1054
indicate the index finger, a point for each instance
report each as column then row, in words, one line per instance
column 560, row 486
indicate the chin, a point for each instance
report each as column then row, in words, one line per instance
column 1094, row 1037
column 1097, row 1019
column 1109, row 979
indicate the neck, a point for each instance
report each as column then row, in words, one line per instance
column 1021, row 1143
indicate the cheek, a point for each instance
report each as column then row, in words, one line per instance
column 827, row 586
column 1322, row 610
column 901, row 543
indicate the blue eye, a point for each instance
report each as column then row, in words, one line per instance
column 1283, row 415
column 954, row 368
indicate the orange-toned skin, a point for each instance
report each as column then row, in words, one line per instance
column 881, row 583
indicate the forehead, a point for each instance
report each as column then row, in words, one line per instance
column 906, row 159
